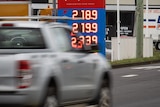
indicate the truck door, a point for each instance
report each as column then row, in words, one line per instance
column 71, row 65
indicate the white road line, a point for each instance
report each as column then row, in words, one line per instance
column 129, row 76
column 146, row 67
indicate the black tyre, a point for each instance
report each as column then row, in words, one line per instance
column 104, row 100
column 50, row 99
column 104, row 97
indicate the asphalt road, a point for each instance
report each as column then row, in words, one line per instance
column 137, row 86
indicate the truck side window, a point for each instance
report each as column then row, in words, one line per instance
column 61, row 39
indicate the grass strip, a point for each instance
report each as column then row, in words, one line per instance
column 156, row 57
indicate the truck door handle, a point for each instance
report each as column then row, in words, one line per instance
column 64, row 61
column 95, row 60
column 80, row 62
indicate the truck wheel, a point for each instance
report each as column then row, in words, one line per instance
column 104, row 96
column 51, row 99
column 157, row 46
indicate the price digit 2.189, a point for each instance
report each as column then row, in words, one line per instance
column 85, row 14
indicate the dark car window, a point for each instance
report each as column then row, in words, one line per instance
column 21, row 38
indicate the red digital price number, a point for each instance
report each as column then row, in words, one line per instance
column 87, row 40
column 85, row 27
column 85, row 14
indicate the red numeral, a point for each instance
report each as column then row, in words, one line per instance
column 89, row 14
column 75, row 27
column 87, row 40
column 74, row 14
column 89, row 27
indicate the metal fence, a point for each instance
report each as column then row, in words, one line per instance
column 128, row 48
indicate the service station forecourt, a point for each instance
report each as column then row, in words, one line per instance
column 93, row 23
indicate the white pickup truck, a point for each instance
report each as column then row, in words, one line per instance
column 39, row 67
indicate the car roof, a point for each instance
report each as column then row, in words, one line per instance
column 33, row 24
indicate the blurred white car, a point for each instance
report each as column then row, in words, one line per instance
column 39, row 67
column 108, row 49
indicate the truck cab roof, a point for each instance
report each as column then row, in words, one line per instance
column 30, row 24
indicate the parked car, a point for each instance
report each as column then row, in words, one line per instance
column 39, row 67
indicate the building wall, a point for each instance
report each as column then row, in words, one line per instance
column 126, row 2
column 132, row 2
column 153, row 2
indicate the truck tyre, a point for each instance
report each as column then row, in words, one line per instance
column 104, row 97
column 157, row 46
column 50, row 99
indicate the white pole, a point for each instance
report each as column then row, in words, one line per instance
column 147, row 34
column 29, row 10
column 54, row 7
column 118, row 29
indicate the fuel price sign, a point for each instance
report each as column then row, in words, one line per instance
column 92, row 25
